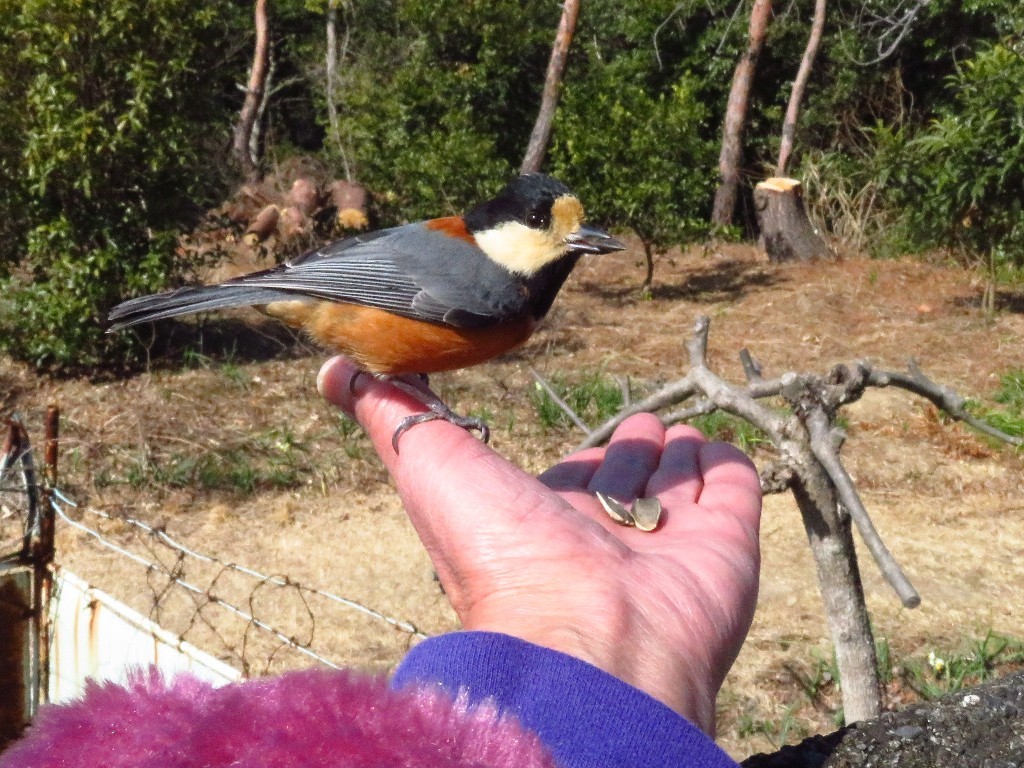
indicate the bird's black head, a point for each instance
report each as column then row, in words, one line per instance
column 526, row 199
column 534, row 221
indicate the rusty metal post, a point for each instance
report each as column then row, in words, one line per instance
column 52, row 438
column 18, row 629
column 44, row 548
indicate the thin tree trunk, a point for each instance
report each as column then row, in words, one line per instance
column 244, row 157
column 735, row 117
column 541, row 134
column 799, row 85
column 331, row 75
column 831, row 539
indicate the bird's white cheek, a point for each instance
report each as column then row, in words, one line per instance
column 519, row 248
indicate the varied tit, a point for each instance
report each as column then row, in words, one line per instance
column 420, row 298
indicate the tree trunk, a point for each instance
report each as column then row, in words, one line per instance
column 799, row 84
column 786, row 232
column 552, row 84
column 842, row 593
column 735, row 116
column 241, row 145
column 331, row 61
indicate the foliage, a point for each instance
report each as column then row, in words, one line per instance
column 114, row 117
column 439, row 115
column 968, row 165
column 944, row 672
column 936, row 161
column 436, row 98
column 637, row 158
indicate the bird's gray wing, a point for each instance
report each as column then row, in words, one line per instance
column 412, row 271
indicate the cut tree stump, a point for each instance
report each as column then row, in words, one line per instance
column 263, row 226
column 349, row 199
column 786, row 232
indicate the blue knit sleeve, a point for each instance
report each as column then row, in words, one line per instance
column 586, row 717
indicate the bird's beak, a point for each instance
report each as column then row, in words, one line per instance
column 589, row 239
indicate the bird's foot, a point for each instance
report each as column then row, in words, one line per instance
column 438, row 410
column 466, row 422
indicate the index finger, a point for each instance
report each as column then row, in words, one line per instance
column 460, row 495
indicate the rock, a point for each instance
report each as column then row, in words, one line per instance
column 979, row 728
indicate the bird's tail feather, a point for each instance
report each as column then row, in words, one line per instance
column 187, row 300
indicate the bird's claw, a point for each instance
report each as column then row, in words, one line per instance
column 466, row 422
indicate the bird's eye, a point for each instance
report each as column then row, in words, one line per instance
column 537, row 219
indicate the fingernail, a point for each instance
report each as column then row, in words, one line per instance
column 328, row 377
column 321, row 374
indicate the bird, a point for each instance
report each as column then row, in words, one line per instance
column 419, row 298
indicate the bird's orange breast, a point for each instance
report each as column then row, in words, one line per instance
column 390, row 344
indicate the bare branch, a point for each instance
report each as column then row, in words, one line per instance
column 331, row 62
column 728, row 27
column 940, row 396
column 796, row 96
column 625, row 389
column 826, row 450
column 657, row 31
column 751, row 368
column 668, row 395
column 255, row 91
column 888, row 30
column 739, row 402
column 700, row 408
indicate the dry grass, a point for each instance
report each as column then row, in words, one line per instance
column 947, row 503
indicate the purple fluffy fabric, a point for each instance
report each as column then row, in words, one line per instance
column 307, row 719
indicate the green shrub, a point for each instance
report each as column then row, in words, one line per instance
column 438, row 98
column 635, row 157
column 968, row 165
column 952, row 182
column 115, row 110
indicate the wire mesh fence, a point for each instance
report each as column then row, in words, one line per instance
column 253, row 621
column 259, row 622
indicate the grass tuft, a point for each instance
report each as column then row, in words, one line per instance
column 941, row 672
column 1010, row 418
column 595, row 399
column 720, row 425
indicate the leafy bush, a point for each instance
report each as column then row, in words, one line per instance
column 437, row 99
column 114, row 110
column 636, row 158
column 943, row 173
column 967, row 167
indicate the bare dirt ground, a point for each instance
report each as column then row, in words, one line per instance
column 236, row 456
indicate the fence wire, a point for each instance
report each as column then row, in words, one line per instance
column 175, row 569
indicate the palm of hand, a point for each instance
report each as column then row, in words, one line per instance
column 665, row 611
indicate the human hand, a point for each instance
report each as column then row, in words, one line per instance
column 539, row 559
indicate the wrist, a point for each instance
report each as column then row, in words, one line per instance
column 629, row 648
column 586, row 716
